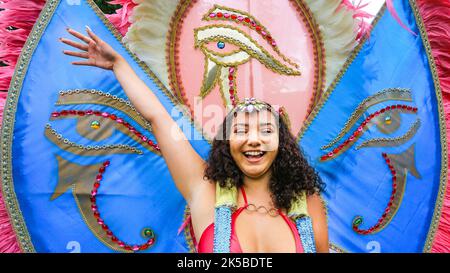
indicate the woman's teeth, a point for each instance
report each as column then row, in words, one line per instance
column 254, row 153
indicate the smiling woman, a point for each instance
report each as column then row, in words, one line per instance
column 254, row 152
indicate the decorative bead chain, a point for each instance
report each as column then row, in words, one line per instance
column 49, row 129
column 236, row 17
column 107, row 95
column 364, row 126
column 231, row 82
column 117, row 119
column 101, row 222
column 358, row 219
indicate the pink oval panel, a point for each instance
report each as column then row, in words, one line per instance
column 289, row 72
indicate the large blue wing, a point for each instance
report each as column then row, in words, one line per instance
column 378, row 141
column 66, row 122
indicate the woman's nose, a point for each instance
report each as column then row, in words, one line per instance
column 253, row 137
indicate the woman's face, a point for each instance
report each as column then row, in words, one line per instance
column 254, row 142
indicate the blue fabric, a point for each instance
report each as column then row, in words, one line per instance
column 359, row 181
column 137, row 190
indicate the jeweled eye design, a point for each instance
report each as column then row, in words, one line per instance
column 221, row 67
column 85, row 181
column 386, row 120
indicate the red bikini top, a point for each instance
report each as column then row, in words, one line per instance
column 206, row 242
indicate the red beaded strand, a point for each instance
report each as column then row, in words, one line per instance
column 248, row 21
column 389, row 206
column 113, row 117
column 102, row 223
column 364, row 125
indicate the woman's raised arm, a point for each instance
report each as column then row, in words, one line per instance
column 185, row 165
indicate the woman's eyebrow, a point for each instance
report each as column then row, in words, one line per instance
column 266, row 124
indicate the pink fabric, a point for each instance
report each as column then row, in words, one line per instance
column 436, row 17
column 121, row 18
column 253, row 79
column 206, row 242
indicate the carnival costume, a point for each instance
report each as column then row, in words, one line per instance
column 81, row 170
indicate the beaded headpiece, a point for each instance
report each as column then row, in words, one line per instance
column 251, row 104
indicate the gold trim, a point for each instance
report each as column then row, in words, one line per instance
column 331, row 88
column 389, row 142
column 443, row 130
column 381, row 96
column 11, row 202
column 308, row 20
column 264, row 57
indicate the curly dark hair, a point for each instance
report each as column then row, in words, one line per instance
column 291, row 173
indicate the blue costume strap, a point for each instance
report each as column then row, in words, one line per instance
column 305, row 230
column 222, row 229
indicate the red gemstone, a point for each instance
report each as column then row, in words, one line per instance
column 409, row 108
column 94, row 193
column 106, row 163
column 150, row 142
column 96, row 185
column 72, row 112
column 388, row 108
column 258, row 28
column 97, row 113
column 151, row 241
column 127, row 247
column 104, row 227
column 89, row 112
column 230, row 77
column 247, row 20
column 233, row 16
column 219, row 14
column 143, row 247
column 93, row 199
column 114, row 239
column 109, row 233
column 99, row 177
column 323, row 158
column 335, row 151
column 81, row 113
column 101, row 170
column 97, row 214
column 55, row 114
column 383, row 110
column 404, row 106
column 231, row 91
column 64, row 112
column 113, row 117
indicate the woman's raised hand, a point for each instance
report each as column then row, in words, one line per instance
column 96, row 52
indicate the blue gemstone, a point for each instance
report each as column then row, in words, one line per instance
column 221, row 45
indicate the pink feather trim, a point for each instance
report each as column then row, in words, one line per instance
column 8, row 240
column 20, row 14
column 120, row 18
column 436, row 17
column 364, row 27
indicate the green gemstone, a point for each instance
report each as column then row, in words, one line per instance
column 95, row 124
column 357, row 221
column 148, row 233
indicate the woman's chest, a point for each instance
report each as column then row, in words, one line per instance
column 263, row 233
